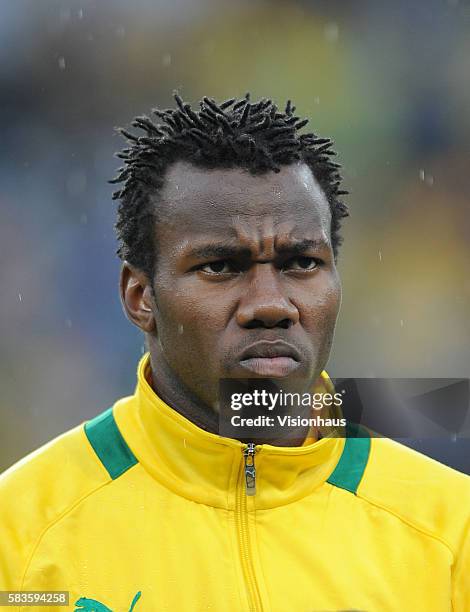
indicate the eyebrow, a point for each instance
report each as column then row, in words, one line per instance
column 229, row 250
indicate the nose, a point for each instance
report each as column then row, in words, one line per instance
column 265, row 304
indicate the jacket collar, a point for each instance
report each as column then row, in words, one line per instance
column 208, row 468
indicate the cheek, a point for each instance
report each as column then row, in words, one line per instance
column 188, row 322
column 321, row 309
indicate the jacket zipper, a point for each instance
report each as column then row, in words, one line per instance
column 250, row 470
column 247, row 487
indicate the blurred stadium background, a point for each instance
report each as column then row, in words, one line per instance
column 389, row 81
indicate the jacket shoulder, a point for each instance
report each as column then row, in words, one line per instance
column 426, row 494
column 37, row 490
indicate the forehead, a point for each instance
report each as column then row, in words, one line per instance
column 200, row 202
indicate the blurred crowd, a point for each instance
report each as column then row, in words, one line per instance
column 387, row 80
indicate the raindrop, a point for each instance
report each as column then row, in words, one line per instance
column 20, row 297
column 184, row 442
column 84, row 219
column 80, row 13
column 120, row 31
column 426, row 178
column 68, row 323
column 142, row 349
column 401, row 323
column 316, row 99
column 180, row 329
column 61, row 62
column 166, row 60
column 380, row 255
column 331, row 32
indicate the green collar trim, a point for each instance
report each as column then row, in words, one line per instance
column 116, row 456
column 108, row 443
column 353, row 461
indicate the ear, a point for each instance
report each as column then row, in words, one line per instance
column 136, row 297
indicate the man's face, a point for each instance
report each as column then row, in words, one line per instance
column 245, row 282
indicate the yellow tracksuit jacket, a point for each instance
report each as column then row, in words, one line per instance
column 139, row 509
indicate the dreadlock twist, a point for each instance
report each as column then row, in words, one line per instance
column 236, row 133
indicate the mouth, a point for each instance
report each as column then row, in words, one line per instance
column 271, row 359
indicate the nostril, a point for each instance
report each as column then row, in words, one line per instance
column 254, row 323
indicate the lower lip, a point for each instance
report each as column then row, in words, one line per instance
column 270, row 366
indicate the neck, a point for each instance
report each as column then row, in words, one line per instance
column 169, row 387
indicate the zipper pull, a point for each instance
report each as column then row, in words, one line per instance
column 250, row 470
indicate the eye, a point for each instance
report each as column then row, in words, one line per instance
column 218, row 267
column 303, row 263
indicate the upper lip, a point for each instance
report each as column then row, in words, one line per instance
column 264, row 348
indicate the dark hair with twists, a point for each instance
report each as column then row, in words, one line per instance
column 236, row 133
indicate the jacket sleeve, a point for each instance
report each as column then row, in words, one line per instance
column 14, row 537
column 461, row 576
column 21, row 489
column 12, row 560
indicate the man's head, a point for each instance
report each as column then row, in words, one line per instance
column 228, row 225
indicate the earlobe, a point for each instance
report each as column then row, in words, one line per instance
column 136, row 295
